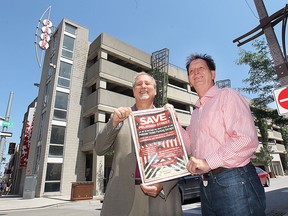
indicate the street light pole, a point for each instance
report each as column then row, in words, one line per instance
column 4, row 129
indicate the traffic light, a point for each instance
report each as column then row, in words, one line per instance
column 11, row 149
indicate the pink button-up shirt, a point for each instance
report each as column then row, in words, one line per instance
column 221, row 129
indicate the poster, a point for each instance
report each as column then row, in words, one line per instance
column 160, row 150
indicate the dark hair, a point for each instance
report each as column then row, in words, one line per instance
column 207, row 58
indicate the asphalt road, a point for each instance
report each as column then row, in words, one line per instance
column 276, row 195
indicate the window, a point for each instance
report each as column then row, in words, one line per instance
column 68, row 47
column 55, row 150
column 64, row 75
column 54, row 40
column 52, row 186
column 46, row 95
column 69, row 28
column 53, row 171
column 61, row 103
column 40, row 129
column 53, row 177
column 57, row 134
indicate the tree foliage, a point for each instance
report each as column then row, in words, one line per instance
column 262, row 81
column 263, row 158
column 262, row 78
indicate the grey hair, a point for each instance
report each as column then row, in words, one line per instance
column 143, row 73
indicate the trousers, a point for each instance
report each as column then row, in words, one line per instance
column 233, row 192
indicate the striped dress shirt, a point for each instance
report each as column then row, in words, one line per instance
column 221, row 129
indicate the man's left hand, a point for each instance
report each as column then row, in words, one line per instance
column 152, row 190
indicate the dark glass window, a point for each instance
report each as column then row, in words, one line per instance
column 64, row 74
column 57, row 134
column 68, row 47
column 53, row 171
column 69, row 28
column 60, row 115
column 52, row 186
column 61, row 100
column 55, row 151
column 61, row 103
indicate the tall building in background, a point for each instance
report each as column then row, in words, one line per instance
column 81, row 85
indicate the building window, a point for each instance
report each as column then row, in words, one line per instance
column 57, row 134
column 68, row 47
column 53, row 177
column 54, row 40
column 40, row 129
column 46, row 95
column 69, row 28
column 60, row 108
column 55, row 150
column 64, row 74
column 52, row 186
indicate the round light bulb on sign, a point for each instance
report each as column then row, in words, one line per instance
column 43, row 44
column 46, row 29
column 45, row 36
column 47, row 23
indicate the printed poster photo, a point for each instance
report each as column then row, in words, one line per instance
column 160, row 151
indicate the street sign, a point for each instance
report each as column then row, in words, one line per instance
column 4, row 123
column 6, row 134
column 281, row 99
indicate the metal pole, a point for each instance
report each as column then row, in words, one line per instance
column 276, row 52
column 4, row 129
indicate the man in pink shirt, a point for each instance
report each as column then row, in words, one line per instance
column 221, row 140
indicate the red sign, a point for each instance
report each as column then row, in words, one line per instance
column 283, row 98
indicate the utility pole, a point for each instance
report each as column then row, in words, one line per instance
column 266, row 27
column 4, row 129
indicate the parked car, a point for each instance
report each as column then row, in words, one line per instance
column 264, row 177
column 189, row 187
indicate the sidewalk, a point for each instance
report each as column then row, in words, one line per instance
column 15, row 202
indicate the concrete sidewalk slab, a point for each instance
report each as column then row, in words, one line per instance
column 12, row 202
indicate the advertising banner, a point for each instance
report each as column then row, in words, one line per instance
column 160, row 151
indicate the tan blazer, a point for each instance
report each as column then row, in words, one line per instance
column 120, row 190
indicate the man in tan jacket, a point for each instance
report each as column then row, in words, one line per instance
column 125, row 194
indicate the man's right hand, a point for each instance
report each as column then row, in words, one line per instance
column 120, row 114
column 197, row 166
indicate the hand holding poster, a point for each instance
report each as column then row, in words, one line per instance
column 158, row 143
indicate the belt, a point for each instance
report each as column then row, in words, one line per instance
column 218, row 170
column 138, row 181
column 215, row 172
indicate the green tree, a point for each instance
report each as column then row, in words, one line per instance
column 262, row 79
column 263, row 158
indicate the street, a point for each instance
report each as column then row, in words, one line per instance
column 276, row 194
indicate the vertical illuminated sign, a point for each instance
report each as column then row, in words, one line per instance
column 43, row 35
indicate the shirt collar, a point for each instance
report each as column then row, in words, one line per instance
column 134, row 107
column 214, row 90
